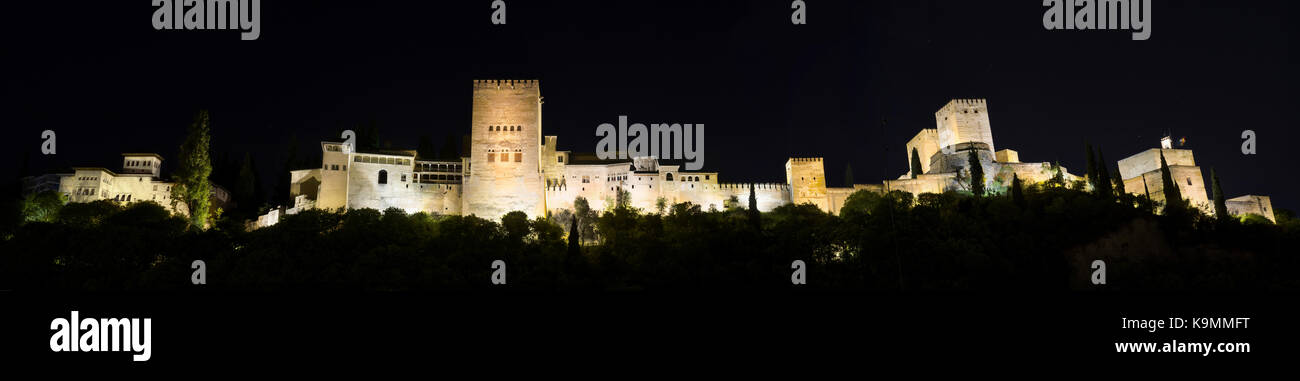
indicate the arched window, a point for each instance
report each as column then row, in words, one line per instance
column 383, row 177
column 669, row 177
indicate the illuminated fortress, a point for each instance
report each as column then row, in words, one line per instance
column 512, row 166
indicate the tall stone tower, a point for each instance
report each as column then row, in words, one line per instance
column 504, row 173
column 333, row 192
column 807, row 179
column 964, row 121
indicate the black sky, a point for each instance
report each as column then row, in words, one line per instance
column 106, row 82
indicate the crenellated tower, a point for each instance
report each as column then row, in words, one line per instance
column 807, row 179
column 505, row 167
column 964, row 121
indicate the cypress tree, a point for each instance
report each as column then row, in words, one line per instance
column 1220, row 204
column 247, row 186
column 755, row 219
column 1017, row 193
column 1103, row 177
column 1092, row 167
column 450, row 148
column 1147, row 192
column 192, row 187
column 424, row 151
column 575, row 239
column 848, row 176
column 1058, row 178
column 1173, row 197
column 976, row 173
column 916, row 163
column 1119, row 184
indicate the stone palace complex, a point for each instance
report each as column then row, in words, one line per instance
column 512, row 166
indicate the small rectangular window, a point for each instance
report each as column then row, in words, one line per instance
column 519, row 157
column 492, row 157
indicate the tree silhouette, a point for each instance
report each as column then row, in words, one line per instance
column 1017, row 191
column 976, row 173
column 246, row 186
column 192, row 186
column 1092, row 173
column 424, row 150
column 916, row 163
column 1173, row 197
column 1103, row 177
column 1220, row 204
column 451, row 148
column 848, row 176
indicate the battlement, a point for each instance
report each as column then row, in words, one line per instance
column 499, row 84
column 956, row 103
column 805, row 159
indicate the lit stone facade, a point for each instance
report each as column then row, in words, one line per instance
column 1251, row 204
column 138, row 180
column 512, row 166
column 1141, row 174
column 962, row 127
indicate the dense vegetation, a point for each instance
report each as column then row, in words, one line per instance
column 1033, row 239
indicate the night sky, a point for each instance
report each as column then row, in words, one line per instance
column 101, row 77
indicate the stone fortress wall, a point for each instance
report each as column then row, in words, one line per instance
column 511, row 166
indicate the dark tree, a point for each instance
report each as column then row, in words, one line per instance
column 575, row 237
column 246, row 186
column 916, row 163
column 1092, row 167
column 976, row 173
column 293, row 160
column 1119, row 184
column 367, row 136
column 755, row 219
column 515, row 225
column 1220, row 204
column 451, row 148
column 848, row 176
column 1103, row 177
column 1146, row 192
column 1173, row 196
column 424, row 151
column 192, row 186
column 1058, row 178
column 1017, row 191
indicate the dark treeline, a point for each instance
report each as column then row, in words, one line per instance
column 1038, row 239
